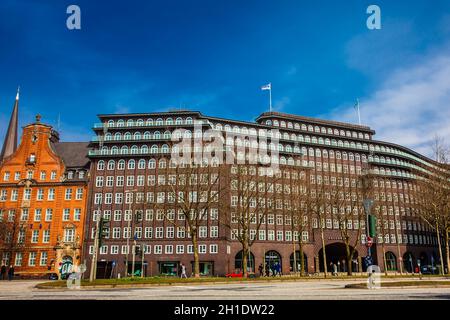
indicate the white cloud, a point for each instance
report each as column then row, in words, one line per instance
column 410, row 106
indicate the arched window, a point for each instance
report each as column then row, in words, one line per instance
column 108, row 137
column 162, row 163
column 104, row 150
column 156, row 135
column 154, row 149
column 101, row 165
column 188, row 120
column 117, row 136
column 147, row 135
column 140, row 123
column 127, row 136
column 169, row 121
column 167, row 135
column 391, row 261
column 114, row 150
column 124, row 150
column 238, row 261
column 137, row 136
column 144, row 149
column 165, row 148
column 121, row 165
column 111, row 123
column 130, row 123
column 179, row 121
column 131, row 164
column 152, row 164
column 111, row 165
column 120, row 123
column 159, row 122
column 141, row 164
column 149, row 122
column 134, row 150
column 268, row 122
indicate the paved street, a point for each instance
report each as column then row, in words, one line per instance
column 329, row 290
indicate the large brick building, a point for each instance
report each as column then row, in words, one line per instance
column 131, row 159
column 43, row 191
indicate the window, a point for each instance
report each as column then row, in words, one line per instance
column 32, row 259
column 51, row 194
column 6, row 176
column 40, row 195
column 18, row 260
column 35, row 236
column 68, row 194
column 27, row 194
column 49, row 215
column 79, row 194
column 53, row 175
column 213, row 248
column 37, row 215
column 46, row 236
column 69, row 235
column 77, row 214
column 66, row 214
column 180, row 249
column 43, row 260
column 202, row 248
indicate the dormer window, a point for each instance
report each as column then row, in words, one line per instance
column 81, row 175
column 32, row 158
column 30, row 174
column 70, row 175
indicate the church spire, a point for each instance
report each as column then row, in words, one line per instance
column 10, row 143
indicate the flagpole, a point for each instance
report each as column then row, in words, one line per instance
column 359, row 114
column 270, row 97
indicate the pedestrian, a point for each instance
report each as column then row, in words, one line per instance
column 273, row 268
column 267, row 270
column 10, row 273
column 261, row 269
column 183, row 271
column 278, row 266
column 3, row 272
column 335, row 269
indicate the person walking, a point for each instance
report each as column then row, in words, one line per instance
column 279, row 269
column 3, row 272
column 267, row 270
column 273, row 267
column 261, row 269
column 183, row 271
column 10, row 273
column 335, row 269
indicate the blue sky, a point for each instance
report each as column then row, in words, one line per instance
column 213, row 56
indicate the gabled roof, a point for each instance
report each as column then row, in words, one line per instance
column 74, row 154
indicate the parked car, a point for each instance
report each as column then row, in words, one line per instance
column 53, row 276
column 429, row 269
column 234, row 275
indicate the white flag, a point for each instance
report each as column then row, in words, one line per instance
column 266, row 87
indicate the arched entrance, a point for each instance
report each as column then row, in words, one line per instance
column 65, row 269
column 408, row 262
column 272, row 258
column 297, row 260
column 238, row 261
column 391, row 261
column 336, row 253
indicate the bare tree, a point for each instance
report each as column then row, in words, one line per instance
column 195, row 191
column 432, row 196
column 252, row 191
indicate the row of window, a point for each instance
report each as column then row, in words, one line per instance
column 38, row 213
column 317, row 129
column 150, row 215
column 149, row 122
column 158, row 249
column 157, row 232
column 29, row 175
column 68, row 236
column 40, row 194
column 34, row 259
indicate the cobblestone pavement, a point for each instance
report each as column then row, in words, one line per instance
column 300, row 290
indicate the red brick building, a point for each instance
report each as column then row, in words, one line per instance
column 43, row 191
